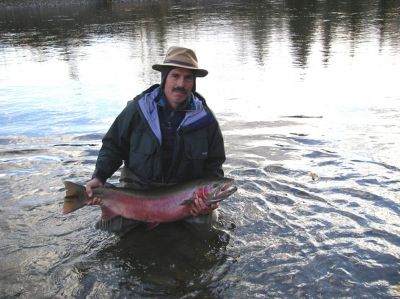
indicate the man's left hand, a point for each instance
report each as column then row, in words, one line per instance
column 200, row 207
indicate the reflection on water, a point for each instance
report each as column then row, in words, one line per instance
column 67, row 28
column 306, row 94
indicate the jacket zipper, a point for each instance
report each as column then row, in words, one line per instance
column 177, row 149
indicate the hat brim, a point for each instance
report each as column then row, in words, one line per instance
column 197, row 72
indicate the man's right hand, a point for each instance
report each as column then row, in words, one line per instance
column 93, row 183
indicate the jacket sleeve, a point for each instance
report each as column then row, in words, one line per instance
column 115, row 145
column 216, row 152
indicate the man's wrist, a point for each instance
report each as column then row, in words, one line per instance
column 99, row 176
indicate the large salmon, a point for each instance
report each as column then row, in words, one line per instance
column 164, row 204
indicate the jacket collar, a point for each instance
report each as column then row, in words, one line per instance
column 148, row 105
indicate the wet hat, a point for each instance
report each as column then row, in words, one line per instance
column 181, row 57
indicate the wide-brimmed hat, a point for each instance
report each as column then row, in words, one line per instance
column 181, row 57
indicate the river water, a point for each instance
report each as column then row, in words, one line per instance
column 308, row 100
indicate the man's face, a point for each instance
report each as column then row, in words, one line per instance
column 178, row 86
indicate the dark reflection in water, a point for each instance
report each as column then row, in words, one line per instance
column 67, row 27
column 170, row 261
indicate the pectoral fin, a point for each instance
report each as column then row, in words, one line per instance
column 107, row 214
column 117, row 225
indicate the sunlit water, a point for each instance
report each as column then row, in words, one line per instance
column 307, row 96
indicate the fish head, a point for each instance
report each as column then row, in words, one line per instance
column 217, row 189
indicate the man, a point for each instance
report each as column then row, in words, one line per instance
column 165, row 135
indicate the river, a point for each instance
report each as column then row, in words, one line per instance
column 307, row 96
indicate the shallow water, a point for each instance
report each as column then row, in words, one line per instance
column 307, row 97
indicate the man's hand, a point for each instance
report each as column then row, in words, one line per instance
column 93, row 183
column 200, row 207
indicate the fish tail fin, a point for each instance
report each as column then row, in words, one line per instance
column 75, row 197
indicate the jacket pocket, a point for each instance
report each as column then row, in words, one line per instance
column 195, row 155
column 196, row 146
column 142, row 155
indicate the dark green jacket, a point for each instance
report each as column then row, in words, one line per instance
column 135, row 140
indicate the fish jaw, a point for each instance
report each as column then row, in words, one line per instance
column 222, row 196
column 221, row 191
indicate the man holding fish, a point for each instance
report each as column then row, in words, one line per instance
column 165, row 136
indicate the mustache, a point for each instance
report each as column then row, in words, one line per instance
column 179, row 89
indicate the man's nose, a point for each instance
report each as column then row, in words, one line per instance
column 180, row 81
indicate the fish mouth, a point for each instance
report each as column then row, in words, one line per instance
column 225, row 192
column 227, row 189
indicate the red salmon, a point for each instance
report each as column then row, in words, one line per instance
column 164, row 204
